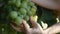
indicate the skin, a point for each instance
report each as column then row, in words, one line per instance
column 53, row 29
column 49, row 4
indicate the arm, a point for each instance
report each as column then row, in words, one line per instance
column 53, row 29
column 50, row 4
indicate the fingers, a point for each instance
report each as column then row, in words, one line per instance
column 20, row 28
column 16, row 28
column 25, row 24
column 35, row 24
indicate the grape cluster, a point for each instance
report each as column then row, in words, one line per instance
column 20, row 9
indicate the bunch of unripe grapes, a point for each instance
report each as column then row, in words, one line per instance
column 20, row 9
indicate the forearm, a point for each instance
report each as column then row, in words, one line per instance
column 53, row 29
column 47, row 4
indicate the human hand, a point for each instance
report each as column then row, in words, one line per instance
column 37, row 29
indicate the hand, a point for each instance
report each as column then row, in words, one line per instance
column 36, row 27
column 35, row 30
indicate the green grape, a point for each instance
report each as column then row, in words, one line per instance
column 21, row 16
column 23, row 11
column 23, row 4
column 29, row 13
column 18, row 20
column 18, row 3
column 33, row 10
column 26, row 18
column 31, row 4
column 11, row 1
column 28, row 8
column 34, row 7
column 13, row 14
